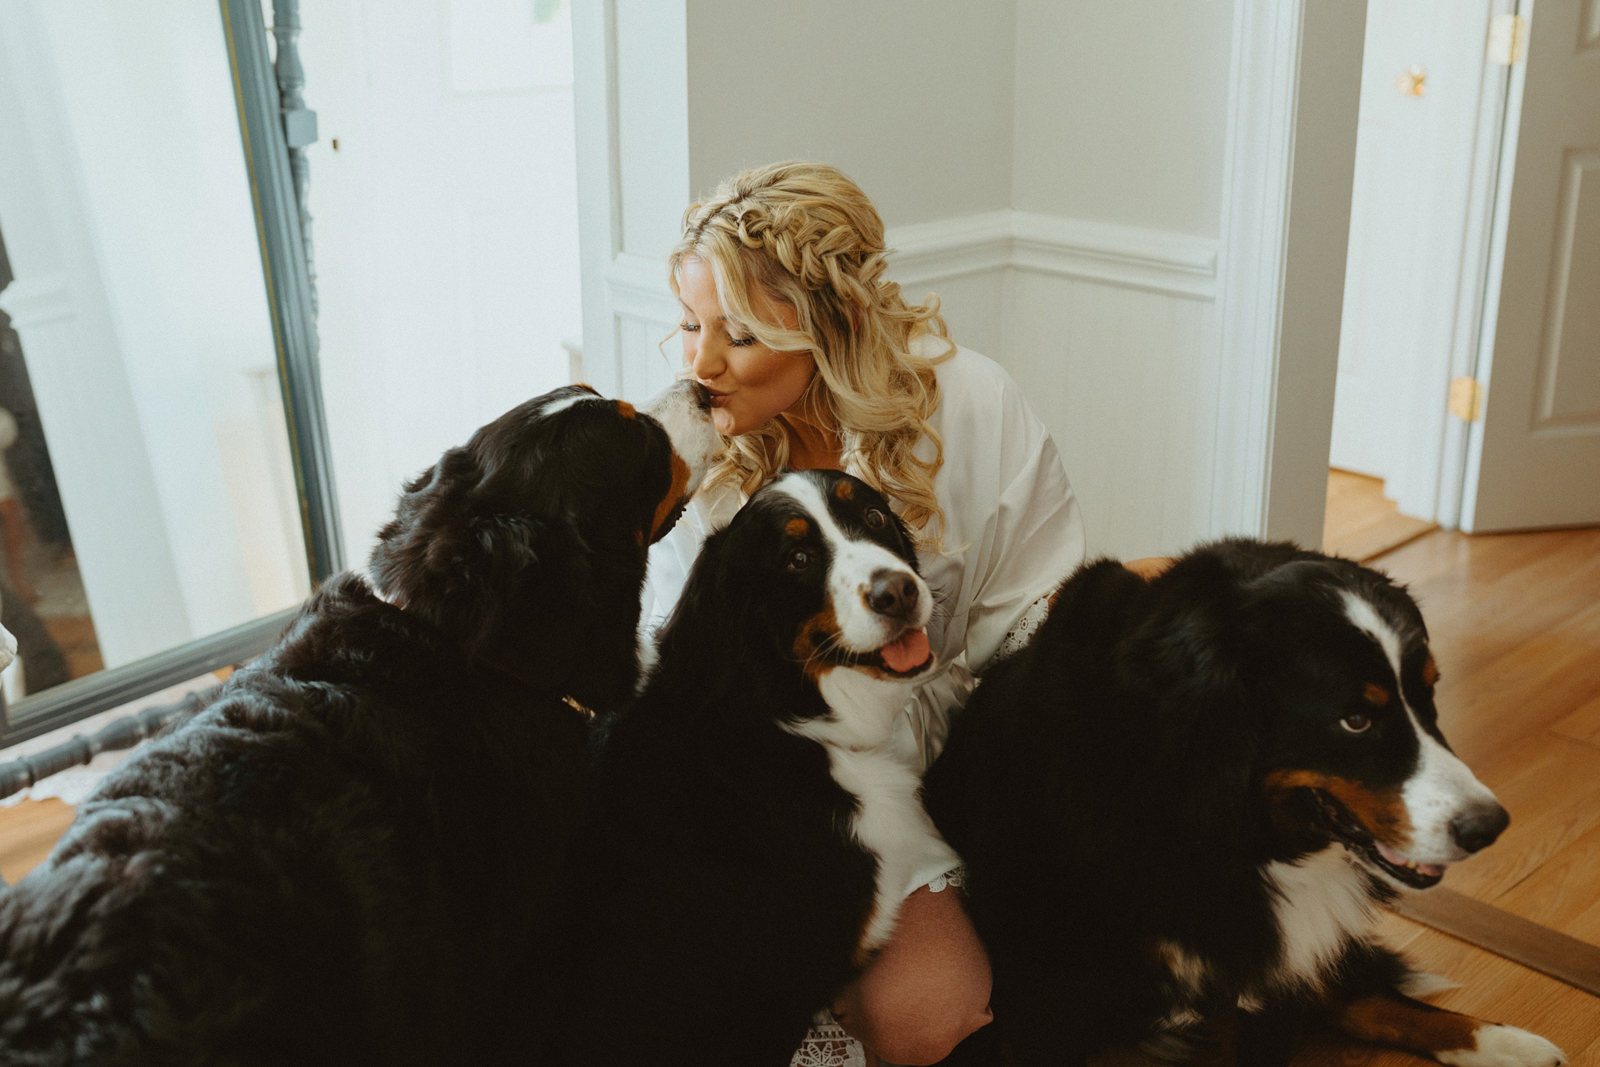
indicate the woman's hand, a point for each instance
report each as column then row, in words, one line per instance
column 1150, row 566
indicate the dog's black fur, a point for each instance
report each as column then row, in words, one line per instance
column 727, row 896
column 1109, row 787
column 352, row 855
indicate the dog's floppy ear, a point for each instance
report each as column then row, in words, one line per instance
column 450, row 555
column 706, row 632
column 401, row 567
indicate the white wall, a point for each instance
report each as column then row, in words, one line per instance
column 1121, row 111
column 911, row 98
column 142, row 311
column 1120, row 118
column 445, row 228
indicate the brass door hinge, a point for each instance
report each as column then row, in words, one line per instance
column 1466, row 399
column 1508, row 39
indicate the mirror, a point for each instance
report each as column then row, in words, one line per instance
column 157, row 500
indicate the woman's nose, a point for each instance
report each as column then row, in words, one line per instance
column 703, row 360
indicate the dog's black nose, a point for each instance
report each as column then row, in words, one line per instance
column 1477, row 828
column 701, row 396
column 893, row 593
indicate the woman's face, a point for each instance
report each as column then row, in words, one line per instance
column 749, row 382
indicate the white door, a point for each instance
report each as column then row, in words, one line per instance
column 1426, row 153
column 1534, row 460
column 1395, row 179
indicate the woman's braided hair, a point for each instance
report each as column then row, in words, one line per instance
column 807, row 235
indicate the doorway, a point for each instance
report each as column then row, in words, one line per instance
column 1427, row 150
column 1455, row 271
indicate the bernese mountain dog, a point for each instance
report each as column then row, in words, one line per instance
column 354, row 855
column 757, row 828
column 1182, row 802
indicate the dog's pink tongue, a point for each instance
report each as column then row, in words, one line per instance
column 908, row 653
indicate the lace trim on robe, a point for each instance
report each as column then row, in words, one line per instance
column 1020, row 634
column 827, row 1045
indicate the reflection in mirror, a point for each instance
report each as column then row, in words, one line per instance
column 155, row 499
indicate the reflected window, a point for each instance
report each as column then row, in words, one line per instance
column 149, row 495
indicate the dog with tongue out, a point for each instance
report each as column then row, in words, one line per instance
column 758, row 827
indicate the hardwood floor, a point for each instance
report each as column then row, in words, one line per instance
column 27, row 833
column 1362, row 522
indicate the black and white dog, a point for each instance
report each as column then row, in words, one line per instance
column 355, row 854
column 757, row 829
column 1182, row 802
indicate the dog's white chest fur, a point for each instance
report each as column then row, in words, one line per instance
column 890, row 821
column 1320, row 903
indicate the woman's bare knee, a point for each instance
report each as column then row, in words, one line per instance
column 927, row 990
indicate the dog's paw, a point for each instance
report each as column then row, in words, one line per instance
column 1505, row 1046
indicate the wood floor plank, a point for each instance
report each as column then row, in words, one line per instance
column 1561, row 892
column 28, row 831
column 1583, row 724
column 1552, row 791
column 1361, row 522
column 1502, row 599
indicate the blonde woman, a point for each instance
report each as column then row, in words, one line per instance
column 814, row 360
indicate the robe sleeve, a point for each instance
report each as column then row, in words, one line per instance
column 1019, row 529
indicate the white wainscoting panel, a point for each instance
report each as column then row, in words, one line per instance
column 1110, row 331
column 1126, row 380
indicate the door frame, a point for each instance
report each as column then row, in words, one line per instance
column 1289, row 167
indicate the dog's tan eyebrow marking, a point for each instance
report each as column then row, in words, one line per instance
column 625, row 409
column 1376, row 694
column 844, row 490
column 1430, row 671
column 797, row 527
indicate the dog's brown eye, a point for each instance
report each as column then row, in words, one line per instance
column 1356, row 724
column 874, row 518
column 799, row 560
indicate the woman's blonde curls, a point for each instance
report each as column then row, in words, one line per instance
column 807, row 235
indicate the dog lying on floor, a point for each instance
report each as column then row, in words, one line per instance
column 756, row 831
column 353, row 855
column 1181, row 803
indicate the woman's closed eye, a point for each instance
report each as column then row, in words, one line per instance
column 736, row 342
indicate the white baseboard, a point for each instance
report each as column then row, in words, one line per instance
column 1161, row 261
